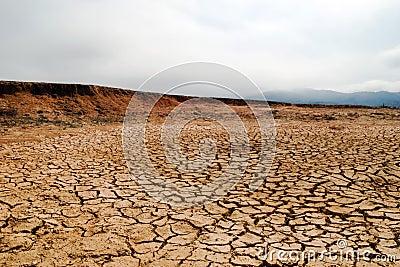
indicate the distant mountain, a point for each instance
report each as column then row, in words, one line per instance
column 313, row 96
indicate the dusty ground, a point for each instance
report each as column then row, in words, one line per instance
column 66, row 198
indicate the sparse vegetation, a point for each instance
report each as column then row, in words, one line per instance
column 8, row 112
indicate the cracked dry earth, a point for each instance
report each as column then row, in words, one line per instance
column 68, row 200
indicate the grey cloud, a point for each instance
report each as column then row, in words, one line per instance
column 279, row 44
column 373, row 86
column 392, row 57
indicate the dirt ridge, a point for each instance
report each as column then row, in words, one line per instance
column 58, row 89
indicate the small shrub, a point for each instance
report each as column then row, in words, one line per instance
column 329, row 117
column 8, row 112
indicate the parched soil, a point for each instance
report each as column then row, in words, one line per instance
column 67, row 198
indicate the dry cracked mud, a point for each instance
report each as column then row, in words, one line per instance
column 67, row 199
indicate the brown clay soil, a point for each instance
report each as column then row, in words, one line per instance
column 67, row 198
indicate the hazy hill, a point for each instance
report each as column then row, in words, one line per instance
column 313, row 96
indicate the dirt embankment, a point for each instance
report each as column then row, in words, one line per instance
column 27, row 102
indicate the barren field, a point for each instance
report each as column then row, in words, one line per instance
column 67, row 198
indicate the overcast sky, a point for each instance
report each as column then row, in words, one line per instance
column 339, row 45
